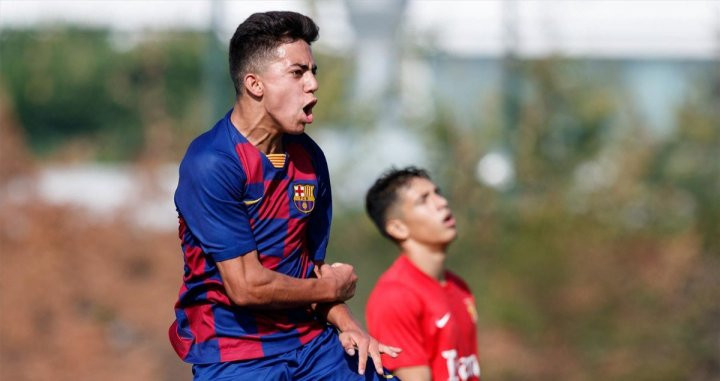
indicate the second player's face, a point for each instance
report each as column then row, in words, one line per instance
column 426, row 213
column 289, row 86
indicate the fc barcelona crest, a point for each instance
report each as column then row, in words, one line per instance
column 304, row 197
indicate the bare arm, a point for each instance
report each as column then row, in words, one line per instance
column 414, row 373
column 352, row 336
column 248, row 283
column 338, row 314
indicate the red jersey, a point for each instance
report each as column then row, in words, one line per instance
column 433, row 322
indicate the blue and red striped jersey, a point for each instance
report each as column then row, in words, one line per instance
column 232, row 199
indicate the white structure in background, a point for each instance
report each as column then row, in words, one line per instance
column 106, row 191
column 376, row 50
column 355, row 157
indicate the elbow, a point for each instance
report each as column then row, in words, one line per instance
column 240, row 299
column 246, row 299
column 246, row 293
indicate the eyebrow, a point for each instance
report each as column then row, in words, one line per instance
column 422, row 197
column 305, row 67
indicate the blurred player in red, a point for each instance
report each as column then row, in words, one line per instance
column 417, row 303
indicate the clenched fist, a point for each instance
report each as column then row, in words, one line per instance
column 343, row 278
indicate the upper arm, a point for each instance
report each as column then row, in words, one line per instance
column 239, row 274
column 209, row 199
column 413, row 373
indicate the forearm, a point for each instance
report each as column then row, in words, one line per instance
column 414, row 373
column 353, row 338
column 339, row 315
column 249, row 284
column 273, row 290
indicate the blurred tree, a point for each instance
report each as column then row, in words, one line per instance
column 128, row 98
column 688, row 162
column 55, row 76
column 80, row 83
column 15, row 160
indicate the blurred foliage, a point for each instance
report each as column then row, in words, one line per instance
column 601, row 261
column 55, row 76
column 688, row 164
column 72, row 83
column 116, row 93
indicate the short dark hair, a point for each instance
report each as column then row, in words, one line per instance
column 382, row 195
column 256, row 38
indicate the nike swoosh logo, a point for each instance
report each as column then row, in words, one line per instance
column 251, row 202
column 443, row 320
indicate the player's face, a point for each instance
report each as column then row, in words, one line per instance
column 426, row 213
column 289, row 86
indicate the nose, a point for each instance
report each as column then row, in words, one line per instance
column 311, row 84
column 441, row 201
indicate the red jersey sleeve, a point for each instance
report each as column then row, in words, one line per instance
column 394, row 316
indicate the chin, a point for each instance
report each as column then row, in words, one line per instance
column 444, row 240
column 299, row 130
column 451, row 237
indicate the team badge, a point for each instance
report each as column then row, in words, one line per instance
column 470, row 304
column 304, row 197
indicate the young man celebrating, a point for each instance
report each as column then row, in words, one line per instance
column 253, row 199
column 417, row 304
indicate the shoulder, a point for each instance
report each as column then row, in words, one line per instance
column 211, row 153
column 457, row 281
column 396, row 278
column 214, row 140
column 390, row 291
column 394, row 300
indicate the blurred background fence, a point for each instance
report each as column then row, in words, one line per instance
column 578, row 142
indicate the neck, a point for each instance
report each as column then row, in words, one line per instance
column 256, row 127
column 430, row 260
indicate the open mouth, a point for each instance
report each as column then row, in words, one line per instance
column 449, row 220
column 308, row 110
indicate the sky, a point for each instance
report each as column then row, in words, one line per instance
column 667, row 28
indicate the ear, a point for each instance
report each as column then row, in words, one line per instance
column 253, row 84
column 397, row 229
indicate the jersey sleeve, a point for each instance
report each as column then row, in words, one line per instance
column 209, row 199
column 394, row 317
column 318, row 234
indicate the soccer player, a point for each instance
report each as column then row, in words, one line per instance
column 417, row 304
column 254, row 207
